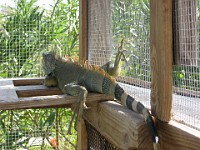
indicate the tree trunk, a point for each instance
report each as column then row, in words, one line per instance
column 185, row 32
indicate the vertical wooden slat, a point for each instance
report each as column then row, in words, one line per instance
column 161, row 58
column 83, row 47
column 82, row 135
column 83, row 37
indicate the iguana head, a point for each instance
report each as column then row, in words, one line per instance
column 48, row 62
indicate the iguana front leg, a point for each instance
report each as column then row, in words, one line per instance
column 80, row 91
column 50, row 81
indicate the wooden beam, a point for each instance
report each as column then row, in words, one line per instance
column 161, row 58
column 28, row 81
column 83, row 37
column 7, row 91
column 37, row 95
column 40, row 90
column 47, row 101
column 81, row 135
column 175, row 135
column 122, row 127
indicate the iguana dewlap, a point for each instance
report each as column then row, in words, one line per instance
column 79, row 79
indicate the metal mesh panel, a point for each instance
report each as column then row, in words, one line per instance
column 36, row 129
column 109, row 22
column 30, row 27
column 99, row 31
column 96, row 141
column 130, row 20
column 186, row 69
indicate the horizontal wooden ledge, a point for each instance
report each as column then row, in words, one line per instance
column 147, row 85
column 36, row 90
column 23, row 93
column 28, row 81
column 49, row 101
column 174, row 135
column 122, row 127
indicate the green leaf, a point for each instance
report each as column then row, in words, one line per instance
column 181, row 75
column 49, row 121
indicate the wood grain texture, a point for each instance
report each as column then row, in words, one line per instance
column 37, row 96
column 81, row 135
column 122, row 127
column 177, row 136
column 161, row 58
column 28, row 81
column 7, row 91
column 36, row 90
column 83, row 37
column 48, row 101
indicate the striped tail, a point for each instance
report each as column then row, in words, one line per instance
column 136, row 106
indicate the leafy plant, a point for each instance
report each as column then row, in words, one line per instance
column 187, row 77
column 130, row 19
column 28, row 30
column 25, row 31
column 19, row 129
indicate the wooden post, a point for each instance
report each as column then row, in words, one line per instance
column 161, row 58
column 83, row 50
column 81, row 135
column 83, row 37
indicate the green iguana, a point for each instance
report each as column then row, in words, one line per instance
column 79, row 79
column 112, row 69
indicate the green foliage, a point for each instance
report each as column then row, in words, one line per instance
column 28, row 30
column 131, row 20
column 19, row 40
column 18, row 128
column 187, row 77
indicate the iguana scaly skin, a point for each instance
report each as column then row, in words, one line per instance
column 115, row 69
column 79, row 79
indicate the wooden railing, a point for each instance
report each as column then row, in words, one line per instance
column 122, row 127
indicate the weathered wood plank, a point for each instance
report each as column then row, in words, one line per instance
column 32, row 87
column 161, row 58
column 49, row 101
column 7, row 91
column 147, row 85
column 27, row 81
column 81, row 135
column 83, row 37
column 122, row 127
column 186, row 92
column 175, row 135
column 36, row 90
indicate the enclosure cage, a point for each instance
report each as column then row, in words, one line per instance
column 161, row 70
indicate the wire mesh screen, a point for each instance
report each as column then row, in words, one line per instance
column 27, row 29
column 110, row 22
column 96, row 141
column 34, row 129
column 186, row 69
column 99, row 31
column 30, row 27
